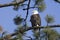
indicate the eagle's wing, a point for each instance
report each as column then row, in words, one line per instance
column 35, row 20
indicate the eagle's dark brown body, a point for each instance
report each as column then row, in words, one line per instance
column 35, row 20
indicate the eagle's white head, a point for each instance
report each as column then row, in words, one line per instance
column 35, row 12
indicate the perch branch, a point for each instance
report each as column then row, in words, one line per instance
column 41, row 27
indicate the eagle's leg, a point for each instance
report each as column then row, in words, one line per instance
column 37, row 33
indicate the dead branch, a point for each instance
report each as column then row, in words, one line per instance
column 28, row 6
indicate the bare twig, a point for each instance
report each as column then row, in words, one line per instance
column 28, row 6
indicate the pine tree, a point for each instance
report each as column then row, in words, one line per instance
column 46, row 33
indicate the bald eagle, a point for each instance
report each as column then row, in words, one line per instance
column 36, row 22
column 35, row 19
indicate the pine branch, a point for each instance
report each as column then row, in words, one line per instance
column 10, row 4
column 30, row 28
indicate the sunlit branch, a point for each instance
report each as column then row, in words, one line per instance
column 10, row 4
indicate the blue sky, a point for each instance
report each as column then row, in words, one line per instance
column 7, row 15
